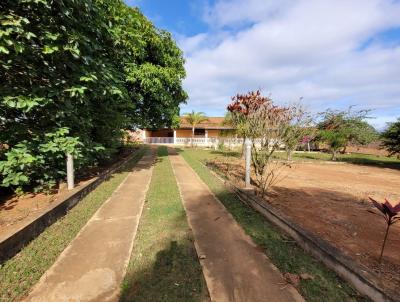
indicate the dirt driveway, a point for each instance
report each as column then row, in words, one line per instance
column 331, row 200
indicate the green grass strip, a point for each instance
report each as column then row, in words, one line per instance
column 20, row 273
column 164, row 265
column 282, row 251
column 352, row 158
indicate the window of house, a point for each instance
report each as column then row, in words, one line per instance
column 200, row 132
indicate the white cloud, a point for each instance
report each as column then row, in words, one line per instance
column 308, row 48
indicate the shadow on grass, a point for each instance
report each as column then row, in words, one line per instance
column 360, row 160
column 173, row 277
column 164, row 264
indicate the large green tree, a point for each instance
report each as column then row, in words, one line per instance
column 340, row 128
column 74, row 74
column 391, row 138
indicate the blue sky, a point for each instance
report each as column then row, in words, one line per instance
column 333, row 53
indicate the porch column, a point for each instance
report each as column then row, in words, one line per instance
column 206, row 136
column 174, row 137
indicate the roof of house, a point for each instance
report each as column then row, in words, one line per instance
column 211, row 123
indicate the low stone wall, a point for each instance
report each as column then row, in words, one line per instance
column 358, row 276
column 28, row 230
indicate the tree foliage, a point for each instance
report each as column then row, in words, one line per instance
column 391, row 138
column 74, row 74
column 195, row 118
column 340, row 128
column 299, row 128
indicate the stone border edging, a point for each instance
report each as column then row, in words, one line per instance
column 358, row 276
column 34, row 226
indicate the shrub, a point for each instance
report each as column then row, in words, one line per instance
column 89, row 67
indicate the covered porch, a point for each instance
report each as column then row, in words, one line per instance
column 203, row 137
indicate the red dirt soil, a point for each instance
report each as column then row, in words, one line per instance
column 18, row 208
column 331, row 200
column 14, row 208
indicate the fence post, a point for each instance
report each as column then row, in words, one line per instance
column 248, row 160
column 70, row 172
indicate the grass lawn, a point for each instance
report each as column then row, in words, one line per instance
column 164, row 265
column 21, row 272
column 352, row 158
column 283, row 252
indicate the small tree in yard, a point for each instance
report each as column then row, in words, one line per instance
column 298, row 129
column 339, row 128
column 391, row 138
column 194, row 119
column 266, row 125
column 335, row 140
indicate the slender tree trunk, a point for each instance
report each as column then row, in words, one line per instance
column 289, row 154
column 333, row 154
column 243, row 148
column 192, row 136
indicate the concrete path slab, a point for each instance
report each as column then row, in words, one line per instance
column 234, row 269
column 92, row 267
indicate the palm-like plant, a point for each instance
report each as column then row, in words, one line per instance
column 195, row 118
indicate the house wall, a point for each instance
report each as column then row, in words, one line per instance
column 183, row 133
column 213, row 133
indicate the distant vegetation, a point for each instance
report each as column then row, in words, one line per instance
column 391, row 138
column 73, row 75
column 340, row 128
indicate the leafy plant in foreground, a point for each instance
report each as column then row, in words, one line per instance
column 391, row 215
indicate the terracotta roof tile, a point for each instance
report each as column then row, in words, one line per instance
column 211, row 123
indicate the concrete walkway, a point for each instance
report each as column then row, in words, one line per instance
column 234, row 269
column 93, row 266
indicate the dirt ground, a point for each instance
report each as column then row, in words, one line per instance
column 331, row 200
column 15, row 208
column 373, row 148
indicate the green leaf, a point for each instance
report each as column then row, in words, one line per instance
column 4, row 50
column 49, row 49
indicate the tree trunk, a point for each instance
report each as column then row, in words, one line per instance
column 192, row 136
column 333, row 154
column 243, row 148
column 289, row 154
